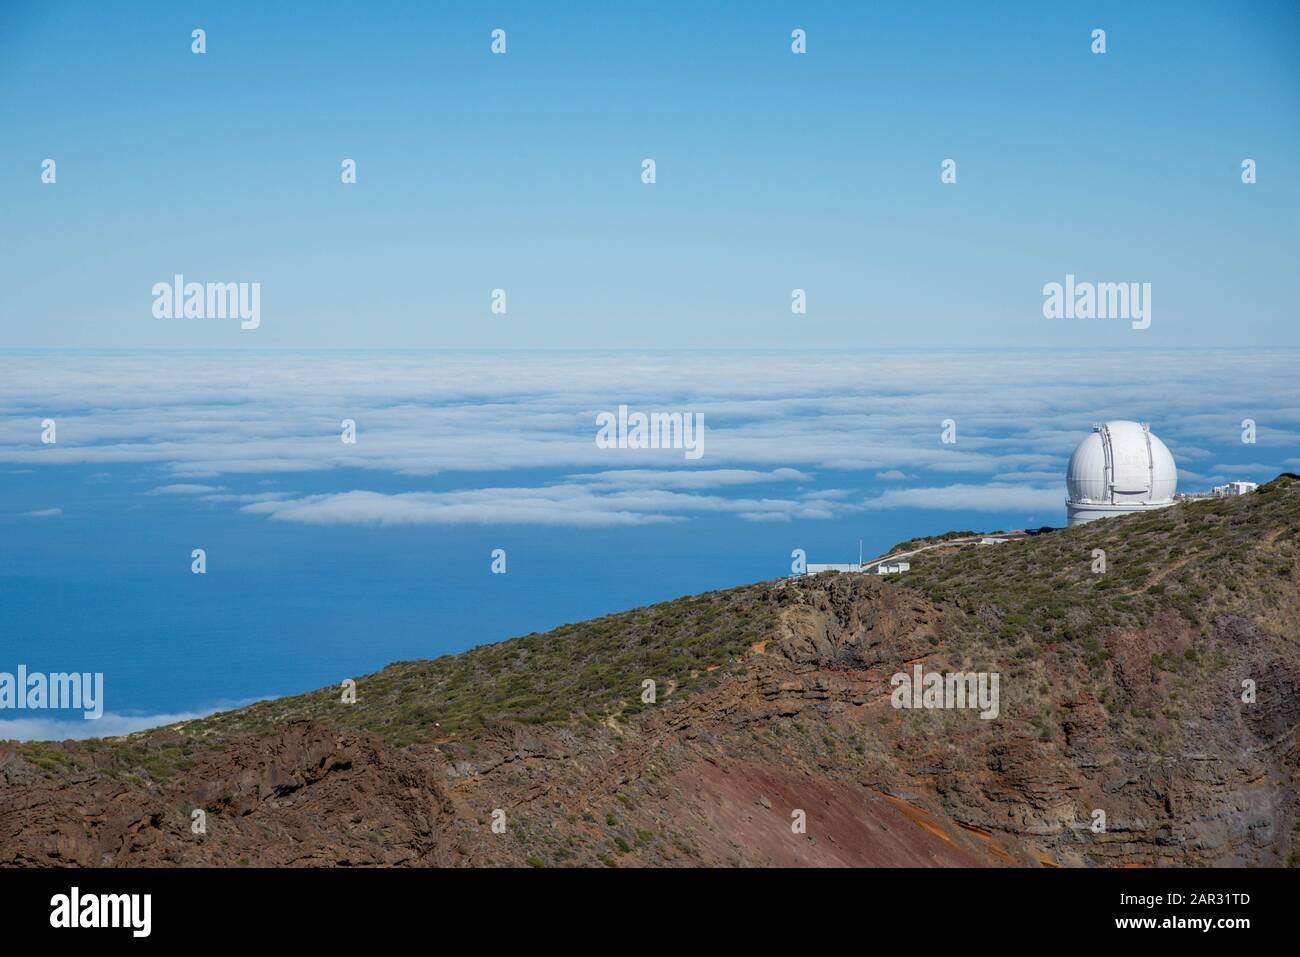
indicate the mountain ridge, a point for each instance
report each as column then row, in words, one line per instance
column 1121, row 693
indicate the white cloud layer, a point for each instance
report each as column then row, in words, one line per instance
column 973, row 498
column 108, row 725
column 561, row 504
column 808, row 423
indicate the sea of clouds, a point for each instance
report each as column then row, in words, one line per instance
column 509, row 438
column 210, row 424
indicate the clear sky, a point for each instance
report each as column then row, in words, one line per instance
column 775, row 171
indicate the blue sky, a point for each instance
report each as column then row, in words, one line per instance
column 775, row 172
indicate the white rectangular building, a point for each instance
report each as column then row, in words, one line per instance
column 1234, row 488
column 814, row 569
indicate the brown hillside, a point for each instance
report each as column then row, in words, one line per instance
column 1119, row 692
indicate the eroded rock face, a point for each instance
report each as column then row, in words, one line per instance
column 852, row 621
column 306, row 795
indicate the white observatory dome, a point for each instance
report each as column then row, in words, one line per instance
column 1121, row 467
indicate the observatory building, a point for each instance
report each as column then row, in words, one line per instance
column 1120, row 468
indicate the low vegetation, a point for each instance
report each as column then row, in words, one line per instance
column 584, row 672
column 1201, row 559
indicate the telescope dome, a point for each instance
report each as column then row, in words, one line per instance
column 1121, row 467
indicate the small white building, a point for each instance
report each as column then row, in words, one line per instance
column 891, row 568
column 992, row 541
column 1234, row 488
column 812, row 569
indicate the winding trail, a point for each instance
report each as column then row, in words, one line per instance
column 1016, row 535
